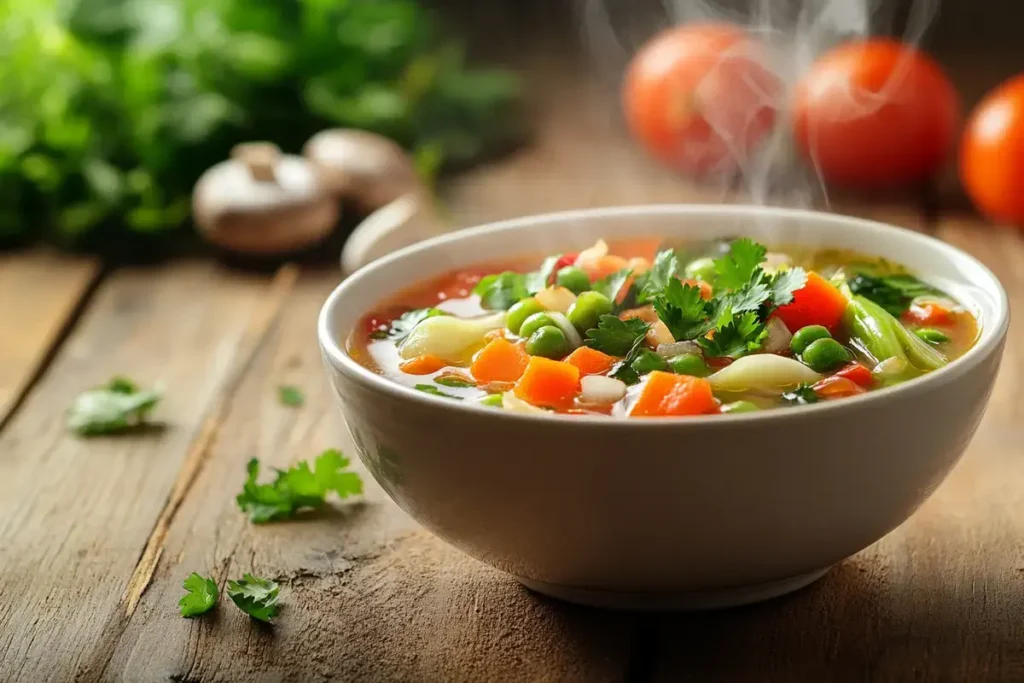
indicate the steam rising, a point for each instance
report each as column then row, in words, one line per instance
column 795, row 33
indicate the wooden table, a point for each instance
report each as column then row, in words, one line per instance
column 97, row 535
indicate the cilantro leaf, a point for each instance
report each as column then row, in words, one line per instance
column 255, row 596
column 683, row 310
column 403, row 325
column 664, row 270
column 611, row 286
column 739, row 266
column 201, row 595
column 116, row 407
column 892, row 292
column 501, row 290
column 802, row 395
column 539, row 279
column 624, row 370
column 617, row 337
column 290, row 396
column 431, row 389
column 297, row 488
column 783, row 283
column 741, row 335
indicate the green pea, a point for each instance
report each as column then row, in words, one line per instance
column 588, row 309
column 548, row 342
column 740, row 407
column 648, row 361
column 689, row 364
column 520, row 311
column 492, row 400
column 825, row 354
column 701, row 269
column 805, row 336
column 534, row 322
column 574, row 279
column 932, row 335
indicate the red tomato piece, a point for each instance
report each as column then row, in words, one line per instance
column 837, row 387
column 858, row 374
column 929, row 314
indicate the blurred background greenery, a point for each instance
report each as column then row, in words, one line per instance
column 111, row 109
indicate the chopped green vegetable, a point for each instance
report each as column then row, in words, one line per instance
column 201, row 595
column 549, row 342
column 117, row 407
column 297, row 488
column 535, row 322
column 502, row 290
column 932, row 336
column 823, row 355
column 894, row 293
column 290, row 396
column 689, row 364
column 574, row 279
column 431, row 389
column 740, row 336
column 255, row 596
column 646, row 361
column 617, row 337
column 882, row 336
column 611, row 286
column 586, row 311
column 702, row 269
column 683, row 311
column 802, row 395
column 492, row 400
column 742, row 407
column 782, row 284
column 403, row 325
column 520, row 311
column 663, row 271
column 805, row 336
column 736, row 268
column 453, row 382
column 539, row 279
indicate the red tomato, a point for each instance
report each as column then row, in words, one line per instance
column 992, row 153
column 875, row 113
column 698, row 99
column 837, row 387
column 857, row 373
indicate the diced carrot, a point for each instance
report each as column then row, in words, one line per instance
column 422, row 365
column 929, row 314
column 706, row 290
column 499, row 361
column 548, row 383
column 816, row 303
column 669, row 394
column 605, row 266
column 837, row 387
column 591, row 361
column 857, row 373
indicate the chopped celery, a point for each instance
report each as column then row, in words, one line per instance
column 882, row 336
column 918, row 351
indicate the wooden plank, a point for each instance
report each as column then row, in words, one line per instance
column 39, row 291
column 76, row 515
column 937, row 600
column 366, row 595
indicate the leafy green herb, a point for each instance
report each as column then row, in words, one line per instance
column 802, row 395
column 738, row 267
column 894, row 293
column 290, row 396
column 664, row 270
column 683, row 310
column 431, row 389
column 403, row 325
column 116, row 407
column 741, row 335
column 611, row 286
column 454, row 382
column 201, row 596
column 297, row 488
column 255, row 596
column 539, row 279
column 648, row 361
column 782, row 284
column 617, row 337
column 501, row 290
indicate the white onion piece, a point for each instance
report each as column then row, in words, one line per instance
column 450, row 338
column 571, row 335
column 601, row 390
column 778, row 338
column 775, row 261
column 592, row 255
column 890, row 367
column 512, row 403
column 554, row 298
column 677, row 349
column 764, row 372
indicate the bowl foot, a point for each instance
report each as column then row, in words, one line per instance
column 685, row 601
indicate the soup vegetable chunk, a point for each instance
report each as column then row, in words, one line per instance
column 728, row 327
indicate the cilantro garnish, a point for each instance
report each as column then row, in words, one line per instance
column 892, row 292
column 201, row 595
column 741, row 335
column 683, row 310
column 663, row 271
column 502, row 290
column 403, row 325
column 738, row 267
column 290, row 396
column 540, row 278
column 297, row 488
column 782, row 284
column 255, row 596
column 116, row 407
column 431, row 389
column 802, row 395
column 616, row 337
column 611, row 286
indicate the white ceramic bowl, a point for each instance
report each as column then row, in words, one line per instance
column 665, row 513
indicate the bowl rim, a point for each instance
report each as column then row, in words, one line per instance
column 990, row 340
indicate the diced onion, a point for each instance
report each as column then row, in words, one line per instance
column 592, row 254
column 677, row 349
column 557, row 299
column 511, row 402
column 449, row 337
column 891, row 367
column 601, row 390
column 778, row 338
column 571, row 335
column 764, row 372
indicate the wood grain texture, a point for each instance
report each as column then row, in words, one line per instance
column 39, row 291
column 75, row 514
column 366, row 595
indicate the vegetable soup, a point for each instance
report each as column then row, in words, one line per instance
column 635, row 330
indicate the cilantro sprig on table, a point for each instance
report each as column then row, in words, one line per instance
column 297, row 488
column 118, row 406
column 201, row 596
column 255, row 596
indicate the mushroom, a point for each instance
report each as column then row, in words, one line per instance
column 363, row 168
column 262, row 202
column 409, row 219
